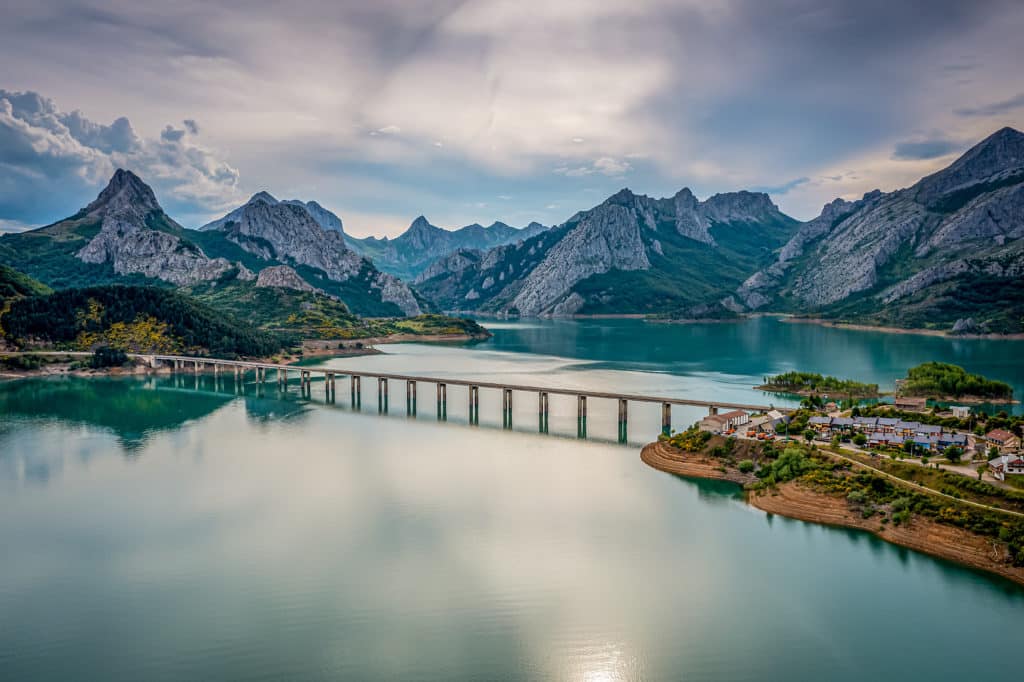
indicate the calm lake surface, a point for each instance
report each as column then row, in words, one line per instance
column 184, row 529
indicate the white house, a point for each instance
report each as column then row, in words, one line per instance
column 960, row 411
column 1006, row 464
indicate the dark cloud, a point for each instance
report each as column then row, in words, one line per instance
column 925, row 149
column 783, row 188
column 191, row 126
column 169, row 134
column 995, row 108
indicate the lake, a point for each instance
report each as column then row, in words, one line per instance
column 176, row 528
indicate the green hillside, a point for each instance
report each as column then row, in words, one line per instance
column 134, row 318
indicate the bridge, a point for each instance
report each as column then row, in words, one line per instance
column 238, row 368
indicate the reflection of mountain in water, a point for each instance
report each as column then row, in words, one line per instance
column 132, row 409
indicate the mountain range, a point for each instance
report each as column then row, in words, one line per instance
column 418, row 247
column 945, row 253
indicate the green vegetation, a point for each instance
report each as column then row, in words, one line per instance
column 14, row 284
column 807, row 382
column 133, row 318
column 872, row 494
column 311, row 315
column 942, row 380
column 105, row 356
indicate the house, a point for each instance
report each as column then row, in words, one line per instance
column 1003, row 439
column 866, row 424
column 887, row 424
column 905, row 429
column 717, row 423
column 736, row 418
column 713, row 423
column 910, row 404
column 960, row 411
column 953, row 439
column 820, row 424
column 1006, row 464
column 842, row 424
column 927, row 443
column 885, row 440
column 928, row 430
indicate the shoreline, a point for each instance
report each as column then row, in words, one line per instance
column 794, row 501
column 854, row 326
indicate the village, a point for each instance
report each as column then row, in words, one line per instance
column 993, row 455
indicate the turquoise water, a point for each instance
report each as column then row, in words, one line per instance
column 184, row 529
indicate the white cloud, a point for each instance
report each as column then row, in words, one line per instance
column 14, row 226
column 605, row 165
column 43, row 147
column 386, row 130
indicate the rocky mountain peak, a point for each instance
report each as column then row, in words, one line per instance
column 125, row 195
column 262, row 196
column 998, row 156
column 742, row 206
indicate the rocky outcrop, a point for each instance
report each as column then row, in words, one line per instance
column 137, row 237
column 284, row 277
column 453, row 264
column 325, row 218
column 607, row 238
column 286, row 232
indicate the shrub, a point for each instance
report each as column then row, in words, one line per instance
column 860, row 440
column 105, row 356
column 746, row 466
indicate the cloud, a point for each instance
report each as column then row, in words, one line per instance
column 387, row 130
column 605, row 165
column 191, row 126
column 925, row 149
column 996, row 108
column 8, row 226
column 784, row 188
column 43, row 148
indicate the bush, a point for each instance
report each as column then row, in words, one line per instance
column 860, row 440
column 105, row 356
column 746, row 466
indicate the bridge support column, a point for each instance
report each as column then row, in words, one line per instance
column 442, row 402
column 623, row 419
column 356, row 388
column 474, row 404
column 196, row 367
column 506, row 408
column 329, row 386
column 712, row 410
column 382, row 395
column 542, row 412
column 666, row 418
column 410, row 398
column 581, row 416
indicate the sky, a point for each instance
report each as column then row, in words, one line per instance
column 481, row 110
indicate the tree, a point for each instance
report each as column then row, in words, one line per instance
column 746, row 466
column 860, row 440
column 809, row 435
column 981, row 470
column 993, row 452
column 855, row 412
column 953, row 453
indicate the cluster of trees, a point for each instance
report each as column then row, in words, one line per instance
column 61, row 317
column 940, row 379
column 816, row 383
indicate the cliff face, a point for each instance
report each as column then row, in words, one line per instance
column 912, row 248
column 631, row 253
column 137, row 237
column 286, row 232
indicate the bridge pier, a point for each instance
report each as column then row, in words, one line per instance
column 506, row 408
column 542, row 412
column 581, row 416
column 356, row 388
column 382, row 395
column 666, row 418
column 329, row 386
column 474, row 404
column 410, row 398
column 623, row 419
column 712, row 410
column 195, row 367
column 442, row 402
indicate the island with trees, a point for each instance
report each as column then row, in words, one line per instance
column 943, row 381
column 808, row 383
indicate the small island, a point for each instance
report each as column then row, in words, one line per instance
column 943, row 381
column 807, row 384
